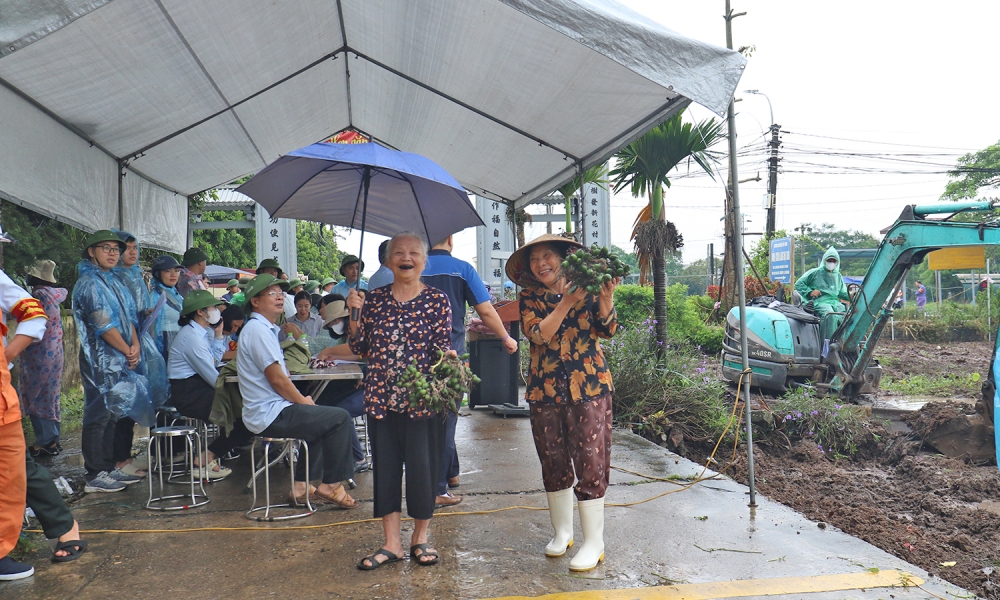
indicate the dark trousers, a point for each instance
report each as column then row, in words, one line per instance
column 327, row 430
column 45, row 500
column 47, row 431
column 574, row 439
column 193, row 397
column 98, row 435
column 124, row 431
column 348, row 396
column 449, row 458
column 398, row 440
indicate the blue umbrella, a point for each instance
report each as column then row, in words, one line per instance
column 364, row 186
column 367, row 187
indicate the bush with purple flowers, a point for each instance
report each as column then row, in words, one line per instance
column 837, row 429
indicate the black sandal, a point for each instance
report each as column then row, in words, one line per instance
column 73, row 549
column 425, row 550
column 374, row 564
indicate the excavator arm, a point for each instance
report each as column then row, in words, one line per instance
column 905, row 245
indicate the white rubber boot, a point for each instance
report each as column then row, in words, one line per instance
column 561, row 513
column 592, row 522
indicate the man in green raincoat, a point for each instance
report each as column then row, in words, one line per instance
column 824, row 286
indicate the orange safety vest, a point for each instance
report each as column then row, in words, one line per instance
column 10, row 406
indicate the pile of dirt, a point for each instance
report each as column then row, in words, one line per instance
column 926, row 509
column 933, row 415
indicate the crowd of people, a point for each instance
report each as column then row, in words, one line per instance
column 148, row 346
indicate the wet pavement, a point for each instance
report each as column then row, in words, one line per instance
column 684, row 544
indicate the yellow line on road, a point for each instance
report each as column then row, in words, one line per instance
column 743, row 587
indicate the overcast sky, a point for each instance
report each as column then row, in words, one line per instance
column 912, row 82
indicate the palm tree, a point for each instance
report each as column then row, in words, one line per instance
column 643, row 166
column 596, row 174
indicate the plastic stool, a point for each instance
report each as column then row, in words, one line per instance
column 289, row 451
column 191, row 443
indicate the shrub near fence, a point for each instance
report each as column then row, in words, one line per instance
column 685, row 314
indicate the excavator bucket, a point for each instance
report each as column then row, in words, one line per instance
column 968, row 437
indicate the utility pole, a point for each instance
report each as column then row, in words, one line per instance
column 711, row 264
column 772, row 167
column 737, row 255
column 772, row 179
column 802, row 229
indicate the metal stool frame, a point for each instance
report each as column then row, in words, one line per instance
column 288, row 450
column 204, row 429
column 191, row 442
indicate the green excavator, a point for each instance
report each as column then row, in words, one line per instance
column 790, row 348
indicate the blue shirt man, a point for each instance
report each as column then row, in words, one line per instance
column 460, row 282
column 383, row 276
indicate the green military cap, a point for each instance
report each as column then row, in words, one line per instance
column 260, row 283
column 199, row 299
column 349, row 260
column 193, row 256
column 101, row 235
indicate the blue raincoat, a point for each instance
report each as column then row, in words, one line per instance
column 152, row 363
column 101, row 303
column 165, row 327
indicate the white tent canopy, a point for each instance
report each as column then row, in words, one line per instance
column 512, row 97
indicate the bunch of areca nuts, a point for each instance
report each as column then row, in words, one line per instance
column 590, row 268
column 449, row 380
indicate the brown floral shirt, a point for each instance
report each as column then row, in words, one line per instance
column 390, row 336
column 570, row 368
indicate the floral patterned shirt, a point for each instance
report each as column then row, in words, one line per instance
column 569, row 368
column 390, row 336
column 188, row 281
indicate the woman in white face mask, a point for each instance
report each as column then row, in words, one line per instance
column 193, row 367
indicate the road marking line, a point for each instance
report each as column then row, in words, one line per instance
column 743, row 587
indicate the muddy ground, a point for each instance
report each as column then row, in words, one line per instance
column 903, row 497
column 901, row 360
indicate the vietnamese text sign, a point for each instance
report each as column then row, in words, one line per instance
column 781, row 260
column 960, row 257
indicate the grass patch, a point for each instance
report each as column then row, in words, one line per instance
column 71, row 402
column 942, row 386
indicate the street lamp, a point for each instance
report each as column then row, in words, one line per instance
column 772, row 167
column 759, row 93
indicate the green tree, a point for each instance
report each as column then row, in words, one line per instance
column 39, row 237
column 643, row 166
column 975, row 171
column 318, row 255
column 817, row 238
column 236, row 248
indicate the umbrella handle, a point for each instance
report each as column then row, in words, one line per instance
column 355, row 314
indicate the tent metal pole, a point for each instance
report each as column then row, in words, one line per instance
column 740, row 277
column 121, row 194
column 365, row 183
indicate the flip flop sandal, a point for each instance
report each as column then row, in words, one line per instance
column 342, row 501
column 424, row 551
column 73, row 549
column 374, row 564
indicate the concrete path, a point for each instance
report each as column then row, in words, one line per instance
column 702, row 542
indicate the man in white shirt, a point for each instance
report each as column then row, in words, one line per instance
column 273, row 407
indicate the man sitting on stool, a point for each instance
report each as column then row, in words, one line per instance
column 272, row 407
